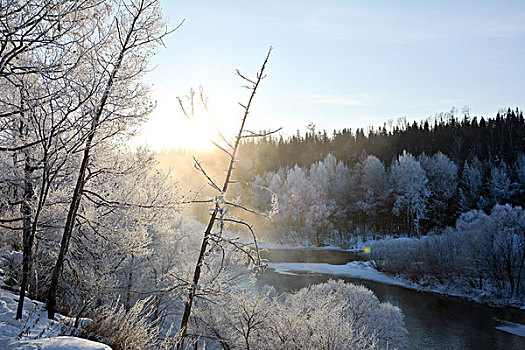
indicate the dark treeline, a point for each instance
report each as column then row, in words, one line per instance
column 459, row 137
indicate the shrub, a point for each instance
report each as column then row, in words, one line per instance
column 133, row 329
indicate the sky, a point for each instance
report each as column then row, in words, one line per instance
column 336, row 64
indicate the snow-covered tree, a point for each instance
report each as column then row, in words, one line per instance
column 117, row 60
column 328, row 191
column 410, row 189
column 500, row 185
column 336, row 315
column 483, row 255
column 470, row 186
column 374, row 190
column 311, row 204
column 330, row 315
column 42, row 46
column 442, row 175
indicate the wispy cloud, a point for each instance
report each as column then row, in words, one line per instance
column 340, row 100
column 348, row 23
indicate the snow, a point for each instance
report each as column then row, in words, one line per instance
column 58, row 343
column 511, row 327
column 354, row 269
column 364, row 270
column 35, row 330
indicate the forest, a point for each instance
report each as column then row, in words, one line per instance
column 408, row 180
column 412, row 181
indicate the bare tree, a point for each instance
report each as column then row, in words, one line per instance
column 220, row 201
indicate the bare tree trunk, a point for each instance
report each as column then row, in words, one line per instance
column 79, row 188
column 28, row 237
column 197, row 272
column 68, row 228
column 196, row 277
column 130, row 284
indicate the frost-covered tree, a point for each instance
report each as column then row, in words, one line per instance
column 311, row 204
column 410, row 190
column 442, row 175
column 124, row 43
column 328, row 195
column 331, row 315
column 470, row 186
column 116, row 229
column 499, row 184
column 374, row 190
column 496, row 247
column 42, row 46
column 336, row 315
column 509, row 245
column 296, row 201
column 221, row 206
column 483, row 255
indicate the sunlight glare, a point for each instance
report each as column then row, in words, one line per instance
column 168, row 128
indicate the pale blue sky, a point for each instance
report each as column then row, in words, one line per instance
column 340, row 63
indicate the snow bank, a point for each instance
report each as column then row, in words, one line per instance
column 35, row 330
column 353, row 269
column 58, row 343
column 511, row 327
column 363, row 270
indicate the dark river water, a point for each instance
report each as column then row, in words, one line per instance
column 433, row 321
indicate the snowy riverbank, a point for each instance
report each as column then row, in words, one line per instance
column 364, row 270
column 354, row 269
column 35, row 330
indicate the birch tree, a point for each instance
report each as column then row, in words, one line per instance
column 39, row 51
column 126, row 44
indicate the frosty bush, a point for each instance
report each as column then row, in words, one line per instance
column 336, row 315
column 483, row 254
column 331, row 315
column 398, row 256
column 125, row 330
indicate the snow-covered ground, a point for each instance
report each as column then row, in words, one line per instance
column 35, row 330
column 355, row 269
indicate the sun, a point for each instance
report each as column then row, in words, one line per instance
column 168, row 127
column 202, row 131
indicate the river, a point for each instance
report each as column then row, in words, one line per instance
column 432, row 320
